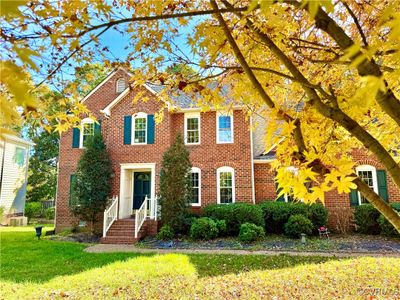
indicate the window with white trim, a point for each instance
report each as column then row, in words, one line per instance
column 139, row 126
column 195, row 184
column 225, row 185
column 120, row 85
column 224, row 128
column 367, row 173
column 87, row 130
column 192, row 128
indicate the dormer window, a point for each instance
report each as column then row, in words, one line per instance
column 120, row 85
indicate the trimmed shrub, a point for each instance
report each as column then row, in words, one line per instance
column 318, row 215
column 49, row 213
column 366, row 219
column 33, row 210
column 298, row 224
column 235, row 214
column 165, row 233
column 203, row 229
column 276, row 215
column 221, row 226
column 250, row 232
column 385, row 226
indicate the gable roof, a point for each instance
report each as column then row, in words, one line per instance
column 109, row 76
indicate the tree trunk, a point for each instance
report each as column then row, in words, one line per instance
column 383, row 207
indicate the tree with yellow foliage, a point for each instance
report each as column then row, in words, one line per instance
column 325, row 72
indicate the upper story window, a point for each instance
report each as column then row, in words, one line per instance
column 195, row 184
column 192, row 128
column 20, row 156
column 120, row 86
column 139, row 126
column 224, row 128
column 87, row 130
column 368, row 174
column 226, row 185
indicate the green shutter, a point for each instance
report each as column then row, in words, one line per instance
column 97, row 126
column 127, row 130
column 353, row 198
column 75, row 137
column 278, row 190
column 382, row 185
column 72, row 182
column 150, row 129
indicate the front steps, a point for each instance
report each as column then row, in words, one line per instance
column 123, row 232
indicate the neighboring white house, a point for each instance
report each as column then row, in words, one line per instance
column 14, row 156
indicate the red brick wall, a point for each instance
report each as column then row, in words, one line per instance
column 208, row 156
column 264, row 182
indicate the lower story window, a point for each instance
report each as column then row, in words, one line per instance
column 195, row 186
column 226, row 185
column 366, row 176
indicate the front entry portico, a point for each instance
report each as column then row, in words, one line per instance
column 137, row 183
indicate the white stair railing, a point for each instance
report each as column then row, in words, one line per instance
column 140, row 216
column 110, row 215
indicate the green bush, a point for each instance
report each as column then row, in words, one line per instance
column 250, row 232
column 203, row 229
column 385, row 226
column 221, row 226
column 165, row 233
column 33, row 210
column 318, row 215
column 235, row 214
column 298, row 224
column 366, row 219
column 49, row 213
column 276, row 214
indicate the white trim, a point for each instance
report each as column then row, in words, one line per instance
column 197, row 170
column 263, row 161
column 117, row 85
column 219, row 114
column 139, row 115
column 374, row 179
column 83, row 122
column 192, row 116
column 107, row 109
column 253, row 188
column 125, row 168
column 219, row 171
column 15, row 138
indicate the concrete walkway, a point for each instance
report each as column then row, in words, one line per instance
column 110, row 248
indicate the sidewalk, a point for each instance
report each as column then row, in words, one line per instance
column 109, row 248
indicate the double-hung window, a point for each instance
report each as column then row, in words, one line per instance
column 195, row 184
column 226, row 185
column 368, row 174
column 139, row 131
column 87, row 131
column 192, row 128
column 224, row 128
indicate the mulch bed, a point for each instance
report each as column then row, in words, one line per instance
column 350, row 243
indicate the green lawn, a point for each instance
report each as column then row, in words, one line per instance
column 51, row 269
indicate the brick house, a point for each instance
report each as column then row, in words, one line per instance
column 228, row 159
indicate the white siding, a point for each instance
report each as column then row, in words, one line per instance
column 14, row 177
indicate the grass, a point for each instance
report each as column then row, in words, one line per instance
column 51, row 269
